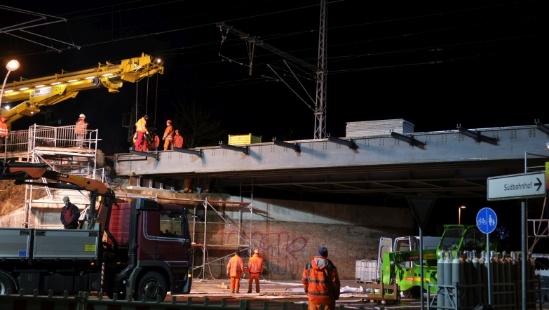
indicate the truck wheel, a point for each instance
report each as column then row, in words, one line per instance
column 151, row 286
column 6, row 284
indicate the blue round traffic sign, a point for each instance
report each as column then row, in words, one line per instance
column 487, row 220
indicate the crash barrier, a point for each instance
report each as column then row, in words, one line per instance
column 462, row 282
column 83, row 301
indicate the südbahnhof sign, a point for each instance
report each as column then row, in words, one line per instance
column 516, row 186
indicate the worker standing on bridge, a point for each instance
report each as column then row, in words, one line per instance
column 321, row 281
column 3, row 133
column 80, row 129
column 168, row 136
column 141, row 130
column 235, row 267
column 178, row 140
column 255, row 268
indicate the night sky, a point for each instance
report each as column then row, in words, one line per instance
column 434, row 63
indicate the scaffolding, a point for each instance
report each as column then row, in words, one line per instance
column 538, row 228
column 219, row 235
column 219, row 228
column 57, row 147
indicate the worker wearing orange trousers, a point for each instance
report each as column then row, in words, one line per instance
column 235, row 268
column 255, row 268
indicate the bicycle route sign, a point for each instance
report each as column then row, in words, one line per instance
column 487, row 220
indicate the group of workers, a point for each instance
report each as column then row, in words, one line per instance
column 172, row 137
column 320, row 278
column 235, row 269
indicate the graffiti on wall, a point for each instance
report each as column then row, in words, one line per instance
column 283, row 252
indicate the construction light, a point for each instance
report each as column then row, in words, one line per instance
column 12, row 65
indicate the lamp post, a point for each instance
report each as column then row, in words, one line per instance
column 459, row 214
column 12, row 65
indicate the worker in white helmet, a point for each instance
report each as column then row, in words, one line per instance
column 81, row 129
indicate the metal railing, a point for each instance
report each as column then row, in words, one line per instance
column 58, row 147
column 38, row 141
column 38, row 136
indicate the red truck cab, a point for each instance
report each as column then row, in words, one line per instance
column 154, row 241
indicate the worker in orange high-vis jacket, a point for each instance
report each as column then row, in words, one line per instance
column 255, row 268
column 178, row 140
column 80, row 129
column 168, row 136
column 321, row 281
column 235, row 268
column 3, row 133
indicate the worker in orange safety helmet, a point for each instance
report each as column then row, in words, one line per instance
column 168, row 136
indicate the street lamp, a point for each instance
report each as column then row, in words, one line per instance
column 459, row 214
column 12, row 65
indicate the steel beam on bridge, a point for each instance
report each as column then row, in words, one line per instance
column 449, row 162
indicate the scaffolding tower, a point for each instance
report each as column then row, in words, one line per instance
column 219, row 229
column 59, row 148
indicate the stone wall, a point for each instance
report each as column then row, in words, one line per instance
column 287, row 233
column 44, row 212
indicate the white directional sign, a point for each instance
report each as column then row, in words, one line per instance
column 516, row 186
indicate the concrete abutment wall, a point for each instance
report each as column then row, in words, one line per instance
column 287, row 233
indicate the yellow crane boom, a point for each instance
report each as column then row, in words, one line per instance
column 33, row 94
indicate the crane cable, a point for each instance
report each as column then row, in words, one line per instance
column 136, row 101
column 156, row 98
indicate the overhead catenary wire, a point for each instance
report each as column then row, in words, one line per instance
column 130, row 6
column 355, row 53
column 272, row 36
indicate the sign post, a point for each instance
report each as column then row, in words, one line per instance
column 421, row 208
column 519, row 186
column 487, row 221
